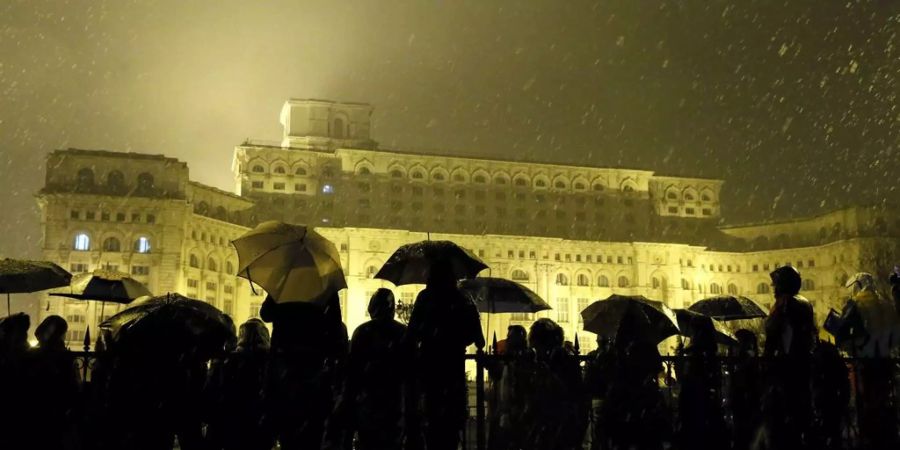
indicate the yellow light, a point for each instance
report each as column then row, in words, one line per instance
column 33, row 343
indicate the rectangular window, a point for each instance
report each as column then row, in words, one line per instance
column 811, row 263
column 140, row 270
column 299, row 187
column 557, row 257
column 589, row 258
column 756, row 267
column 193, row 283
column 254, row 309
column 582, row 305
column 510, row 254
column 562, row 311
column 135, row 218
column 256, row 184
column 78, row 267
column 689, row 211
column 75, row 215
column 568, row 257
column 104, row 216
column 90, row 215
column 521, row 317
column 120, row 217
column 278, row 186
column 210, row 286
column 532, row 255
column 618, row 260
column 673, row 210
column 707, row 212
column 228, row 306
column 228, row 289
column 151, row 218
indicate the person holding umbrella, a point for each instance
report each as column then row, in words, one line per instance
column 54, row 381
column 13, row 379
column 443, row 323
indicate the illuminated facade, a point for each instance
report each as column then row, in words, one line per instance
column 573, row 234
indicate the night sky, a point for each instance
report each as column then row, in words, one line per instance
column 793, row 103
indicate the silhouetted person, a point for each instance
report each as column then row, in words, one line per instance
column 53, row 382
column 13, row 377
column 831, row 396
column 790, row 336
column 511, row 381
column 309, row 344
column 376, row 376
column 236, row 386
column 699, row 402
column 443, row 323
column 213, row 414
column 745, row 389
column 558, row 407
column 598, row 375
column 633, row 413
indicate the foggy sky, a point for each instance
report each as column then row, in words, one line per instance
column 793, row 103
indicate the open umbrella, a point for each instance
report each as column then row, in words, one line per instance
column 169, row 321
column 23, row 276
column 728, row 307
column 690, row 322
column 413, row 263
column 292, row 263
column 497, row 295
column 104, row 286
column 630, row 317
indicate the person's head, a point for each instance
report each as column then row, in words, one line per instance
column 747, row 342
column 51, row 332
column 382, row 305
column 545, row 335
column 642, row 360
column 14, row 331
column 861, row 282
column 516, row 338
column 252, row 335
column 786, row 280
column 441, row 275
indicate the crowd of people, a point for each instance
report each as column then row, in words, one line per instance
column 309, row 385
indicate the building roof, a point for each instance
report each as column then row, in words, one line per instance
column 115, row 154
column 220, row 191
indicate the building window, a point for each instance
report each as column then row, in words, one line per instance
column 90, row 215
column 583, row 280
column 82, row 242
column 256, row 184
column 211, row 286
column 673, row 210
column 809, row 285
column 732, row 289
column 258, row 169
column 689, row 211
column 120, row 217
column 151, row 218
column 85, row 180
column 104, row 216
column 280, row 170
column 78, row 267
column 192, row 283
column 707, row 212
column 74, row 215
column 563, row 309
column 300, row 171
column 112, row 245
column 623, row 282
column 194, row 261
column 562, row 279
column 520, row 317
column 140, row 270
column 479, row 179
column 715, row 288
column 211, row 264
column 278, row 186
column 762, row 288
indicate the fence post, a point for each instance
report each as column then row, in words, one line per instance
column 479, row 400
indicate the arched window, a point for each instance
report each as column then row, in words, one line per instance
column 338, row 129
column 685, row 284
column 762, row 288
column 715, row 288
column 519, row 275
column 221, row 213
column 371, row 271
column 211, row 264
column 732, row 289
column 521, row 182
column 112, row 244
column 559, row 185
column 602, row 281
column 203, row 208
column 145, row 183
column 579, row 186
column 194, row 261
column 459, row 177
column 258, row 169
column 438, row 176
column 627, row 188
column 142, row 245
column 540, row 183
column 82, row 242
column 85, row 179
column 705, row 197
column 396, row 173
column 562, row 279
column 417, row 175
column 583, row 280
column 598, row 187
column 501, row 180
column 280, row 170
column 809, row 285
column 655, row 283
column 688, row 196
column 481, row 179
column 229, row 267
column 623, row 282
column 671, row 195
column 298, row 171
column 115, row 181
column 364, row 171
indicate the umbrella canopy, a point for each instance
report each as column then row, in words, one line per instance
column 106, row 286
column 630, row 317
column 497, row 295
column 169, row 321
column 21, row 276
column 292, row 263
column 728, row 307
column 690, row 322
column 413, row 263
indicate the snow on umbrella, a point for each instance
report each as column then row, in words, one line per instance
column 292, row 263
column 105, row 286
column 728, row 307
column 630, row 317
column 167, row 321
column 413, row 263
column 497, row 295
column 23, row 276
column 689, row 323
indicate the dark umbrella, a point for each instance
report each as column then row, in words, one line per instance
column 728, row 307
column 630, row 317
column 690, row 322
column 413, row 263
column 22, row 276
column 104, row 286
column 170, row 320
column 497, row 295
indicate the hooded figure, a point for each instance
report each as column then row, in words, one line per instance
column 376, row 376
column 443, row 323
column 54, row 382
column 879, row 319
column 700, row 404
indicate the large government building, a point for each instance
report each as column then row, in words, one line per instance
column 573, row 234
